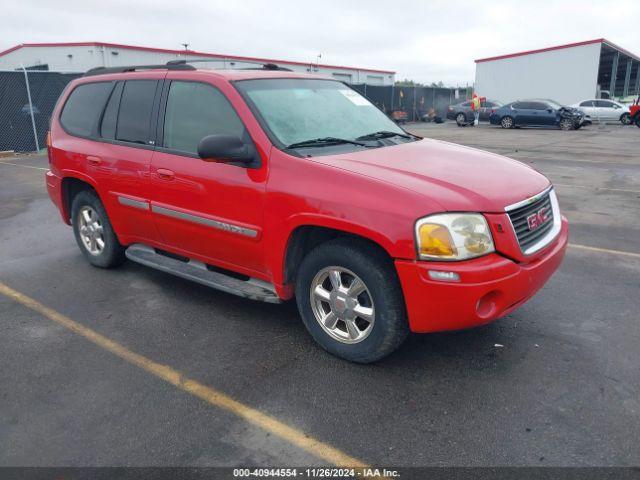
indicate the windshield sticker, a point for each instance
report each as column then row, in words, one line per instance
column 355, row 98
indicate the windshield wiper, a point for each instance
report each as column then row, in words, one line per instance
column 383, row 134
column 323, row 142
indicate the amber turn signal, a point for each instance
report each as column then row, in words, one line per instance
column 436, row 240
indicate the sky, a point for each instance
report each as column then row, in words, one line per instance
column 426, row 41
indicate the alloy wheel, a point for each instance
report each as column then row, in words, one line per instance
column 91, row 230
column 566, row 124
column 342, row 304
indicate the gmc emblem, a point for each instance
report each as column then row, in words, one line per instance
column 536, row 219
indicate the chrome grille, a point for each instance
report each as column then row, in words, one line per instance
column 527, row 238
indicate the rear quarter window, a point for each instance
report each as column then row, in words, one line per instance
column 82, row 110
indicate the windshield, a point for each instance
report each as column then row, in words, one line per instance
column 300, row 110
column 555, row 105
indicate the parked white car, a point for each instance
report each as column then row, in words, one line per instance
column 600, row 110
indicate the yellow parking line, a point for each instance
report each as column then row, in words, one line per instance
column 25, row 166
column 605, row 250
column 218, row 399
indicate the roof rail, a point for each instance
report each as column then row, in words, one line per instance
column 264, row 66
column 171, row 65
column 269, row 66
column 132, row 68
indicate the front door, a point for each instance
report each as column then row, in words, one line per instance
column 206, row 210
column 606, row 110
column 545, row 114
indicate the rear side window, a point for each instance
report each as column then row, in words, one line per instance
column 110, row 117
column 81, row 112
column 195, row 110
column 136, row 104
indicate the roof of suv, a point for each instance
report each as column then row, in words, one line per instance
column 247, row 74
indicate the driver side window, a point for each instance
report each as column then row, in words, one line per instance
column 195, row 110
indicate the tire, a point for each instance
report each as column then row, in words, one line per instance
column 93, row 231
column 625, row 119
column 381, row 300
column 567, row 124
column 507, row 122
column 461, row 119
column 637, row 120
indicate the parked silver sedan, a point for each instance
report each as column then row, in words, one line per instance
column 600, row 110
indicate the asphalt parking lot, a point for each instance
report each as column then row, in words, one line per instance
column 563, row 388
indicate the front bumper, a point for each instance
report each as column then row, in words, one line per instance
column 489, row 288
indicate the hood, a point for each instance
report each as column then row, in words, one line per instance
column 456, row 177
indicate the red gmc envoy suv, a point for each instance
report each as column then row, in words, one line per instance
column 271, row 184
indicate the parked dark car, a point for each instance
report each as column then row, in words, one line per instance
column 538, row 113
column 462, row 113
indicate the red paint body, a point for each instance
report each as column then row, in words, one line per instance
column 377, row 194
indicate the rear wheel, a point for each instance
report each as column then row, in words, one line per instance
column 350, row 300
column 93, row 231
column 625, row 119
column 507, row 122
column 461, row 119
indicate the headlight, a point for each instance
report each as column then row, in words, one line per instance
column 453, row 236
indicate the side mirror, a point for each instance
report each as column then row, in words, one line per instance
column 550, row 110
column 226, row 149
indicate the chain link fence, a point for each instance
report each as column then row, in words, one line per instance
column 415, row 102
column 27, row 99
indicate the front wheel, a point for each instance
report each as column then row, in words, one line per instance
column 567, row 124
column 461, row 119
column 350, row 300
column 625, row 119
column 507, row 122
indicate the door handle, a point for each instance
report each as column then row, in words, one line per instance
column 165, row 174
column 93, row 160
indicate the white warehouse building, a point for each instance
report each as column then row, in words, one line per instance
column 82, row 56
column 565, row 73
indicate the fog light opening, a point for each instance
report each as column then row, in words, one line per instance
column 444, row 276
column 487, row 305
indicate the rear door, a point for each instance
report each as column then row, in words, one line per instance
column 112, row 125
column 127, row 131
column 523, row 113
column 206, row 210
column 587, row 108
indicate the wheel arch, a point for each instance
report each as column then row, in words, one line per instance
column 71, row 185
column 303, row 237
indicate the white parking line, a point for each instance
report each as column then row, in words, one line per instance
column 25, row 166
column 605, row 250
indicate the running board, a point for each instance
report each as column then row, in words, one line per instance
column 197, row 271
